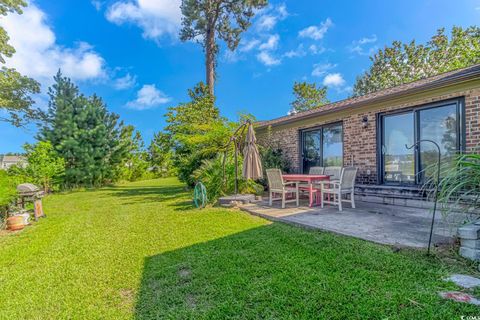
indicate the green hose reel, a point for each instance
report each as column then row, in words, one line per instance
column 200, row 195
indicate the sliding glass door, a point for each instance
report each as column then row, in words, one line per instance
column 322, row 147
column 440, row 123
column 398, row 161
column 442, row 126
column 312, row 151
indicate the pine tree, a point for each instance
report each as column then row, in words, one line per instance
column 84, row 133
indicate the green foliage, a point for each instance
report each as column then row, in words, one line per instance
column 196, row 131
column 160, row 155
column 406, row 62
column 308, row 96
column 273, row 158
column 211, row 174
column 208, row 20
column 136, row 158
column 15, row 97
column 45, row 167
column 85, row 134
column 8, row 191
column 459, row 187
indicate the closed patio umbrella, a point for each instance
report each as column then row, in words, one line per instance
column 252, row 166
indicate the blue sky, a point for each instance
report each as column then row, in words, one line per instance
column 128, row 52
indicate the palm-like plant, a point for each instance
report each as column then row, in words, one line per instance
column 459, row 187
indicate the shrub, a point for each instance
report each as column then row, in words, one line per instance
column 210, row 173
column 459, row 186
column 44, row 168
column 273, row 158
column 8, row 193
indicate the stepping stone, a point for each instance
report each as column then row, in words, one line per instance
column 464, row 281
column 459, row 297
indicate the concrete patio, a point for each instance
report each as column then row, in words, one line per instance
column 381, row 223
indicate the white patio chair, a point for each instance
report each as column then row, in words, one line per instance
column 333, row 172
column 277, row 185
column 346, row 185
column 316, row 170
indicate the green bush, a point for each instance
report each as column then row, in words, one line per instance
column 459, row 186
column 210, row 173
column 8, row 191
column 273, row 158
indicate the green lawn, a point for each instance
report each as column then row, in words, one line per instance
column 141, row 251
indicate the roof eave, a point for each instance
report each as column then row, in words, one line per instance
column 454, row 79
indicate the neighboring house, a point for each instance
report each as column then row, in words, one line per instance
column 8, row 161
column 370, row 132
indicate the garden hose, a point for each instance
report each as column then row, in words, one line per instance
column 200, row 195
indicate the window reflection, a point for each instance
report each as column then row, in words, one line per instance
column 332, row 146
column 399, row 162
column 439, row 125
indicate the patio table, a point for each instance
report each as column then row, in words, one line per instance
column 310, row 179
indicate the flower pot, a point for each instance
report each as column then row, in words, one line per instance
column 26, row 218
column 15, row 223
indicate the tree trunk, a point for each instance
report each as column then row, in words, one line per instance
column 210, row 58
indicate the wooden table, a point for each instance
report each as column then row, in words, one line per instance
column 310, row 179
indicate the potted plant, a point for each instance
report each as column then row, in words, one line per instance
column 15, row 221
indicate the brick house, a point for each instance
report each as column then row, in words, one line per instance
column 370, row 132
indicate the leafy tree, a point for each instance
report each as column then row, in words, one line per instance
column 406, row 62
column 15, row 89
column 136, row 160
column 84, row 133
column 44, row 167
column 205, row 20
column 308, row 96
column 197, row 132
column 160, row 154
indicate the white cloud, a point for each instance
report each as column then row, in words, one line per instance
column 249, row 45
column 359, row 46
column 314, row 49
column 271, row 43
column 97, row 4
column 267, row 59
column 155, row 17
column 320, row 69
column 316, row 32
column 126, row 82
column 333, row 80
column 148, row 97
column 268, row 18
column 297, row 53
column 39, row 56
column 267, row 22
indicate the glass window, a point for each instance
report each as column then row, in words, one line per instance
column 311, row 150
column 399, row 162
column 439, row 125
column 322, row 147
column 332, row 146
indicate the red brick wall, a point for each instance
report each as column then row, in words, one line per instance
column 359, row 143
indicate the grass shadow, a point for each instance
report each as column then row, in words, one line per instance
column 278, row 271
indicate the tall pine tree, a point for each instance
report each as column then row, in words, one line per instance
column 84, row 133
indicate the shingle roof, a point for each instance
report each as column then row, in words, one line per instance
column 437, row 81
column 13, row 158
